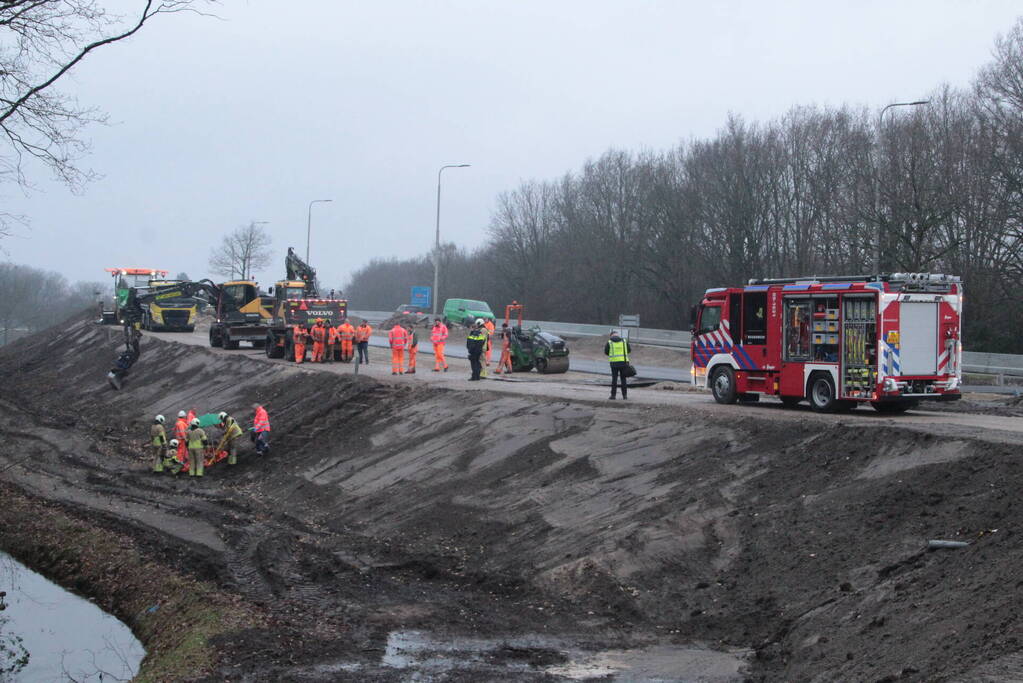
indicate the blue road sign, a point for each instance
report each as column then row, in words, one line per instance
column 421, row 296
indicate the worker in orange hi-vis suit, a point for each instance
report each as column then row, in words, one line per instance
column 332, row 339
column 413, row 348
column 505, row 363
column 300, row 337
column 438, row 337
column 181, row 433
column 489, row 324
column 346, row 335
column 319, row 335
column 399, row 339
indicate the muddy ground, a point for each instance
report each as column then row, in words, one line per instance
column 404, row 529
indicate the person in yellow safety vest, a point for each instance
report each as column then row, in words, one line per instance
column 196, row 446
column 158, row 442
column 475, row 342
column 617, row 351
column 170, row 460
column 229, row 442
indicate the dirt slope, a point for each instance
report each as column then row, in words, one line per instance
column 470, row 535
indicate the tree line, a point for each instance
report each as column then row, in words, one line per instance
column 32, row 299
column 936, row 187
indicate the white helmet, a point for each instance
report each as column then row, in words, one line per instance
column 195, row 422
column 182, row 413
column 173, row 443
column 479, row 321
column 160, row 419
column 221, row 416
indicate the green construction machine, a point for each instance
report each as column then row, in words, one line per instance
column 111, row 310
column 533, row 348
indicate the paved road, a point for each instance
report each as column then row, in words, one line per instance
column 577, row 384
column 590, row 367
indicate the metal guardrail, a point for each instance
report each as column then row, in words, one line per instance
column 976, row 362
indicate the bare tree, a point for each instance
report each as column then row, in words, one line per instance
column 241, row 252
column 41, row 41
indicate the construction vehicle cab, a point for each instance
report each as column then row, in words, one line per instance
column 533, row 348
column 125, row 279
column 242, row 315
column 170, row 311
column 296, row 302
column 890, row 340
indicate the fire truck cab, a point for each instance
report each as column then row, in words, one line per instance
column 890, row 340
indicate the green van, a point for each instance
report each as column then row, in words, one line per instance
column 465, row 311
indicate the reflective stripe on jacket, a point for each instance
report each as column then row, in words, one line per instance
column 475, row 341
column 439, row 333
column 180, row 429
column 233, row 431
column 617, row 351
column 362, row 333
column 346, row 331
column 261, row 423
column 196, row 438
column 398, row 337
column 158, row 434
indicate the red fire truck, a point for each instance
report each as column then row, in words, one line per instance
column 892, row 340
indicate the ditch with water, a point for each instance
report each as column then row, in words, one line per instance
column 65, row 635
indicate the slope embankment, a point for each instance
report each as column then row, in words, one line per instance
column 470, row 534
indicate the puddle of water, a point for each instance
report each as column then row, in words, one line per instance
column 427, row 655
column 66, row 636
column 658, row 663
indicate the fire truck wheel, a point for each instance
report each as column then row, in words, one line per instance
column 722, row 383
column 822, row 393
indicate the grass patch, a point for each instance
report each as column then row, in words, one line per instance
column 174, row 616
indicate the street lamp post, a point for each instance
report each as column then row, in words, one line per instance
column 309, row 225
column 877, row 179
column 436, row 244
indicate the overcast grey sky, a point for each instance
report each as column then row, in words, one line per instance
column 218, row 122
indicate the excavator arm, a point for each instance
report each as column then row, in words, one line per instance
column 133, row 312
column 298, row 269
column 138, row 298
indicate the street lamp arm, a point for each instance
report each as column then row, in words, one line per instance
column 877, row 182
column 309, row 225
